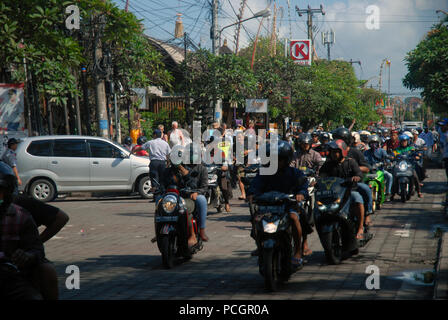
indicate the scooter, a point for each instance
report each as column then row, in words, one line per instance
column 274, row 237
column 337, row 230
column 403, row 177
column 214, row 195
column 377, row 183
column 171, row 225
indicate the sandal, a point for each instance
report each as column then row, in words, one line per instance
column 297, row 263
column 360, row 236
column 241, row 198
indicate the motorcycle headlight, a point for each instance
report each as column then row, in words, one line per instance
column 321, row 206
column 169, row 203
column 403, row 166
column 270, row 227
column 335, row 205
column 212, row 177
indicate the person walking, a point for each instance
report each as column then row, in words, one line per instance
column 175, row 135
column 159, row 151
column 10, row 158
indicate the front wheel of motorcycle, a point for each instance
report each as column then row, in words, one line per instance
column 167, row 250
column 270, row 270
column 331, row 243
column 403, row 193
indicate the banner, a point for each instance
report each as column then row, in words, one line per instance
column 12, row 117
column 257, row 105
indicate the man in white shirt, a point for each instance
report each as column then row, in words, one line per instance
column 175, row 136
column 158, row 150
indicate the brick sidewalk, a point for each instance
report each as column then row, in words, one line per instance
column 117, row 260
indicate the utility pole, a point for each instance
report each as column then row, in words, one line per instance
column 310, row 13
column 328, row 40
column 214, row 31
column 238, row 30
column 100, row 84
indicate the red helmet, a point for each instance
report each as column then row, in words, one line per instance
column 339, row 145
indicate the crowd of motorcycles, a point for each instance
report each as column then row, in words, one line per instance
column 271, row 225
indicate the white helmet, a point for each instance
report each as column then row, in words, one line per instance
column 409, row 134
column 357, row 137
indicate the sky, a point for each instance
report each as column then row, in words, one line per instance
column 401, row 25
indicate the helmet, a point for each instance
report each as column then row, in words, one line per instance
column 284, row 150
column 342, row 133
column 404, row 137
column 141, row 140
column 315, row 133
column 374, row 131
column 304, row 138
column 8, row 183
column 340, row 145
column 385, row 131
column 374, row 138
column 364, row 135
column 128, row 141
column 12, row 141
column 356, row 136
column 409, row 134
column 414, row 131
column 324, row 136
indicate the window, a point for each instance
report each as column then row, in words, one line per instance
column 100, row 149
column 40, row 148
column 69, row 148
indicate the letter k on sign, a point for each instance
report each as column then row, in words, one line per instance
column 300, row 51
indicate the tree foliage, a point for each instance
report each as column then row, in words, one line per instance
column 428, row 68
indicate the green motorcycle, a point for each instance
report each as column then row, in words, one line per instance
column 377, row 183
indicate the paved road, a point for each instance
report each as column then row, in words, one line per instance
column 109, row 240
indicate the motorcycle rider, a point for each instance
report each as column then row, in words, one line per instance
column 393, row 143
column 192, row 174
column 340, row 165
column 21, row 249
column 141, row 141
column 128, row 143
column 322, row 149
column 406, row 149
column 315, row 139
column 286, row 180
column 358, row 156
column 377, row 154
column 306, row 157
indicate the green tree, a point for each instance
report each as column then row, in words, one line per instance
column 428, row 68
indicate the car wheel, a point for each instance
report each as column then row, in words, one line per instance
column 42, row 190
column 144, row 187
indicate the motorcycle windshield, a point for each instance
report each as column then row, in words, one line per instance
column 329, row 189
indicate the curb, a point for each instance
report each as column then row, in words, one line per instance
column 441, row 280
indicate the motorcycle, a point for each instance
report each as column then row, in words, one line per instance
column 274, row 237
column 250, row 172
column 171, row 225
column 403, row 177
column 337, row 230
column 376, row 181
column 310, row 201
column 214, row 195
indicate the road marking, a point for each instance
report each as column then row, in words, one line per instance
column 404, row 233
column 240, row 236
column 56, row 238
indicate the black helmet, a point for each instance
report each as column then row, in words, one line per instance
column 344, row 134
column 304, row 138
column 8, row 183
column 324, row 136
column 12, row 141
column 141, row 140
column 128, row 141
column 374, row 138
column 284, row 150
column 315, row 133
